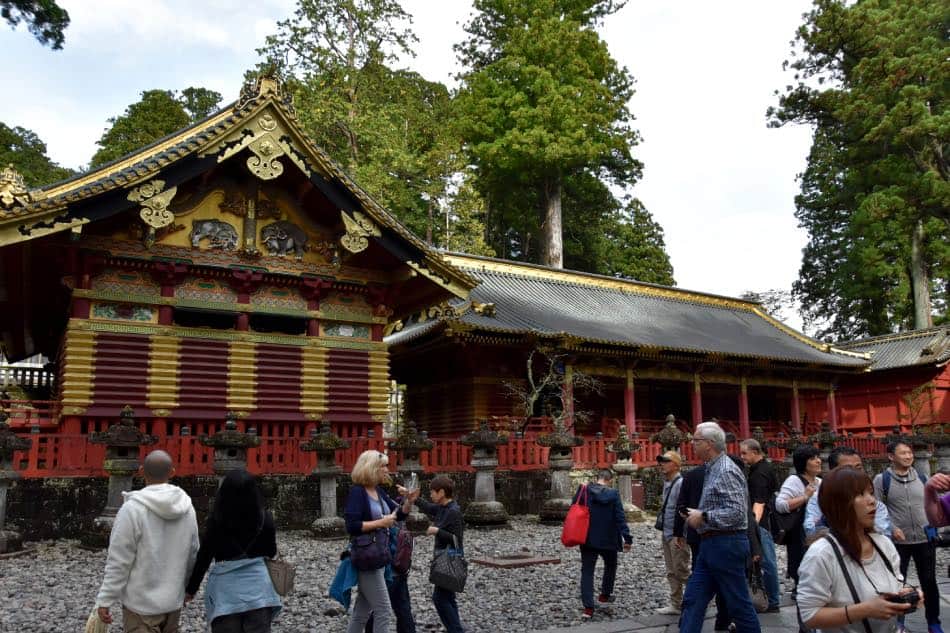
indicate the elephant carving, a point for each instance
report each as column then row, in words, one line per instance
column 218, row 233
column 283, row 238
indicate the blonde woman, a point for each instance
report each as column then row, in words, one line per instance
column 370, row 510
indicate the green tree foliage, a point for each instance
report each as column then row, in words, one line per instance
column 871, row 78
column 24, row 150
column 46, row 20
column 388, row 127
column 542, row 102
column 158, row 114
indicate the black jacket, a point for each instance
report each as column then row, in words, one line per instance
column 220, row 544
column 448, row 518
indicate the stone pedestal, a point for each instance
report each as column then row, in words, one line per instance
column 826, row 438
column 325, row 443
column 230, row 447
column 484, row 510
column 623, row 447
column 122, row 441
column 560, row 462
column 410, row 443
column 10, row 540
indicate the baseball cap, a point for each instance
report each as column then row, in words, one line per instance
column 670, row 456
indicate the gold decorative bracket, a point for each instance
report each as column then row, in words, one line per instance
column 265, row 163
column 155, row 212
column 13, row 191
column 359, row 227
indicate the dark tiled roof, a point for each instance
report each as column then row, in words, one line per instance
column 629, row 314
column 905, row 349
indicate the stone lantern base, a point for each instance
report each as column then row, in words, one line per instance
column 328, row 528
column 98, row 536
column 486, row 514
column 10, row 541
column 553, row 511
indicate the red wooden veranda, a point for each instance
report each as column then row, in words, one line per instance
column 61, row 455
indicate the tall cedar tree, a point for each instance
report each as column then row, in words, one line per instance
column 158, row 114
column 388, row 127
column 542, row 100
column 45, row 19
column 872, row 81
column 24, row 150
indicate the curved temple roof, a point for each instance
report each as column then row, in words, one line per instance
column 905, row 349
column 609, row 311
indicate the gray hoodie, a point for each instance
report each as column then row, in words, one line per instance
column 152, row 550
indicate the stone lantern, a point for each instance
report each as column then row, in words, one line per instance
column 122, row 442
column 623, row 447
column 10, row 541
column 561, row 443
column 669, row 437
column 923, row 442
column 230, row 447
column 325, row 444
column 410, row 443
column 826, row 439
column 485, row 511
column 941, row 442
column 759, row 436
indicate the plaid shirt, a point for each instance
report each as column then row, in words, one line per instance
column 725, row 497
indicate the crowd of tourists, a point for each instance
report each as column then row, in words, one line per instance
column 156, row 560
column 849, row 539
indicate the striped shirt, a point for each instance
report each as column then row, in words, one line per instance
column 725, row 498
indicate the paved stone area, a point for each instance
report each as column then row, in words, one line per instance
column 784, row 622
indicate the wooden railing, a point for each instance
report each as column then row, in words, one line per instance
column 62, row 455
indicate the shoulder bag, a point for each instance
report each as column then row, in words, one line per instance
column 449, row 569
column 370, row 550
column 784, row 524
column 577, row 521
column 281, row 574
column 760, row 599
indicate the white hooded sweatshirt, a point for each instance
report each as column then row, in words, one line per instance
column 152, row 550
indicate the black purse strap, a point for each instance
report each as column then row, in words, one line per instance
column 666, row 497
column 847, row 576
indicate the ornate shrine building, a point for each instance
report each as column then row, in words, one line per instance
column 231, row 266
column 655, row 351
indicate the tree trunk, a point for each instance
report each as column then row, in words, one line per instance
column 552, row 241
column 920, row 279
column 429, row 226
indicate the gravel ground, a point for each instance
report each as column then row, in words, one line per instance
column 52, row 589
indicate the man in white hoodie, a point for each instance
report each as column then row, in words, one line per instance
column 152, row 549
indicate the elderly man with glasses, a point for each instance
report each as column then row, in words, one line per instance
column 721, row 521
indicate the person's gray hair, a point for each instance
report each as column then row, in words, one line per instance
column 751, row 445
column 158, row 466
column 606, row 474
column 712, row 432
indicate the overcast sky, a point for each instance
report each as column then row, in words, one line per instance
column 716, row 178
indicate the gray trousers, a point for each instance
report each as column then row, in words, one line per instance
column 373, row 599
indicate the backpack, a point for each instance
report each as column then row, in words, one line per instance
column 886, row 481
column 402, row 560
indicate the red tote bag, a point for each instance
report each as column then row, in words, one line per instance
column 577, row 521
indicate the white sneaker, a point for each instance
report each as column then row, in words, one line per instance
column 668, row 611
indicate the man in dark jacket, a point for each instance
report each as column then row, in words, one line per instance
column 608, row 533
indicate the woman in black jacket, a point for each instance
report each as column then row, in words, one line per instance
column 239, row 596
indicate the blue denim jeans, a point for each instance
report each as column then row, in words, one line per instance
column 720, row 568
column 448, row 609
column 588, row 562
column 769, row 568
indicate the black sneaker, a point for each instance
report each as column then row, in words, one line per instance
column 775, row 609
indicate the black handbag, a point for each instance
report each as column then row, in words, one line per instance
column 370, row 550
column 784, row 524
column 449, row 569
column 760, row 599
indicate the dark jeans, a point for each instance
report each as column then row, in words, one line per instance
column 402, row 608
column 448, row 609
column 588, row 562
column 925, row 560
column 256, row 621
column 722, row 616
column 720, row 569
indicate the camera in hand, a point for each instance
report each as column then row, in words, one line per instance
column 911, row 598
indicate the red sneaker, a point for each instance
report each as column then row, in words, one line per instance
column 605, row 598
column 587, row 614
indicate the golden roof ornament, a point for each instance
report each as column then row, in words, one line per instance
column 155, row 212
column 12, row 188
column 267, row 82
column 358, row 228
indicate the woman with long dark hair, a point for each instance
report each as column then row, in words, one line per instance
column 239, row 596
column 852, row 550
column 793, row 497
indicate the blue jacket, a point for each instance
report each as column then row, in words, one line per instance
column 356, row 510
column 608, row 524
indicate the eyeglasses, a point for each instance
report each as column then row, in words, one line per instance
column 700, row 439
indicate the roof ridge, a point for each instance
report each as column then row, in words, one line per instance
column 897, row 336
